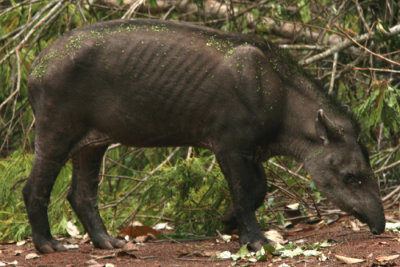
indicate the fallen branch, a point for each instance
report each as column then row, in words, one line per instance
column 349, row 42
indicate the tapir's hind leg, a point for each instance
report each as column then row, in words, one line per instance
column 83, row 195
column 51, row 152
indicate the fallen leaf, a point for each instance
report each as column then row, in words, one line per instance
column 394, row 227
column 354, row 226
column 196, row 253
column 130, row 246
column 292, row 253
column 235, row 237
column 123, row 253
column 387, row 258
column 309, row 253
column 71, row 246
column 72, row 230
column 226, row 238
column 31, row 256
column 348, row 260
column 18, row 252
column 21, row 243
column 109, row 265
column 135, row 231
column 12, row 263
column 93, row 263
column 162, row 226
column 224, row 255
column 143, row 239
column 101, row 257
column 274, row 236
column 322, row 257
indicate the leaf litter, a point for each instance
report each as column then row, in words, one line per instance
column 340, row 244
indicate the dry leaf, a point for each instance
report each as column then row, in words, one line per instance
column 15, row 262
column 31, row 256
column 143, row 239
column 123, row 253
column 135, row 231
column 18, row 252
column 93, row 263
column 162, row 226
column 130, row 246
column 72, row 230
column 348, row 260
column 354, row 226
column 21, row 243
column 387, row 258
column 274, row 236
column 196, row 253
column 101, row 257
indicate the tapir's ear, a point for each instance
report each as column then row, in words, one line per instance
column 326, row 129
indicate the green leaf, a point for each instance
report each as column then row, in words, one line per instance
column 280, row 218
column 243, row 251
column 153, row 3
column 305, row 11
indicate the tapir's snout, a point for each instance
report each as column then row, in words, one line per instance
column 376, row 221
column 379, row 227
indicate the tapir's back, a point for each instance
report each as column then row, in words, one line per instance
column 149, row 76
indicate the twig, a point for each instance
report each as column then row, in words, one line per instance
column 16, row 91
column 388, row 167
column 332, row 82
column 350, row 41
column 301, row 47
column 360, row 13
column 18, row 5
column 377, row 69
column 289, row 171
column 391, row 194
column 133, row 8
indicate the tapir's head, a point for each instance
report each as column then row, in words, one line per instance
column 339, row 167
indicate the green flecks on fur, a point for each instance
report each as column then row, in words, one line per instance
column 41, row 67
column 75, row 42
column 159, row 28
column 224, row 46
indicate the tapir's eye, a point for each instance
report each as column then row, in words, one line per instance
column 350, row 178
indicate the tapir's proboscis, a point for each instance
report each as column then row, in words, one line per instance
column 150, row 83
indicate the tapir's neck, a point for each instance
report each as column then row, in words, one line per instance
column 298, row 136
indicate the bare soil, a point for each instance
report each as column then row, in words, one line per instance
column 349, row 243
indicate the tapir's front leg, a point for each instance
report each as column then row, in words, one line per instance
column 247, row 183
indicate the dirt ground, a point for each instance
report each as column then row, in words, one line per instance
column 374, row 250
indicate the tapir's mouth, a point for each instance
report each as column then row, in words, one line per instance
column 376, row 227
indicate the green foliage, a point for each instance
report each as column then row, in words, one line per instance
column 305, row 11
column 382, row 106
column 188, row 191
column 13, row 219
column 14, row 172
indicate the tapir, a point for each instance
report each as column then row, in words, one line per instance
column 151, row 83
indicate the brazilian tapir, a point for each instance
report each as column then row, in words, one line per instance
column 148, row 83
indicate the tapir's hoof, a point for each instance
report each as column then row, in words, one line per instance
column 51, row 247
column 109, row 243
column 255, row 246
